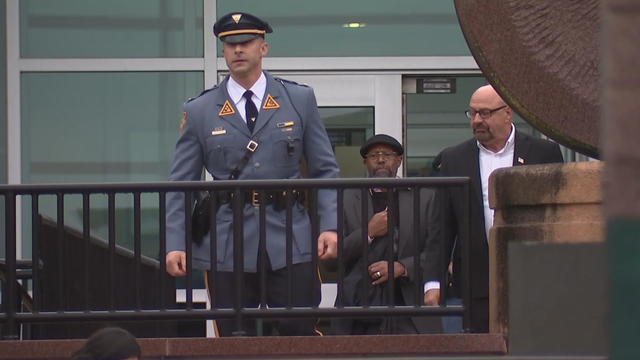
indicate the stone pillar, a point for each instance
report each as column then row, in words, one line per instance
column 555, row 203
column 621, row 150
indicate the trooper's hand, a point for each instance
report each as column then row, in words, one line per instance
column 176, row 263
column 378, row 224
column 327, row 245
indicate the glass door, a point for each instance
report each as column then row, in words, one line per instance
column 353, row 108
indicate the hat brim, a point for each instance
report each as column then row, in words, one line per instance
column 239, row 38
column 365, row 149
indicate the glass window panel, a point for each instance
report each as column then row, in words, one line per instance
column 348, row 128
column 391, row 28
column 102, row 127
column 437, row 121
column 107, row 29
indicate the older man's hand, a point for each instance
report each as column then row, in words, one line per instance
column 432, row 297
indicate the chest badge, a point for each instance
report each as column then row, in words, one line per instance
column 226, row 109
column 218, row 131
column 285, row 124
column 270, row 103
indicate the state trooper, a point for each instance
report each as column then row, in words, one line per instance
column 279, row 120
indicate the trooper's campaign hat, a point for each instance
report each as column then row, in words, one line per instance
column 239, row 27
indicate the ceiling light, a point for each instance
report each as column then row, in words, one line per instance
column 354, row 25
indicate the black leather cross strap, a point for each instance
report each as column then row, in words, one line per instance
column 200, row 215
column 248, row 151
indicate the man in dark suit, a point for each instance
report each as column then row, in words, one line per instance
column 275, row 123
column 496, row 144
column 382, row 155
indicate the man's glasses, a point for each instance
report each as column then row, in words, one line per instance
column 381, row 154
column 484, row 113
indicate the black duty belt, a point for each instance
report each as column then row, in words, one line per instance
column 277, row 198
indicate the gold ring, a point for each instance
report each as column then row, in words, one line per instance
column 378, row 275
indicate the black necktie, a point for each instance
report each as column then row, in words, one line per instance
column 251, row 113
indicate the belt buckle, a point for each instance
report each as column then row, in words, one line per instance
column 255, row 199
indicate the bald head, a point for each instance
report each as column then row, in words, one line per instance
column 490, row 118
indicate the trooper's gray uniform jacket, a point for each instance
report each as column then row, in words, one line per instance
column 215, row 137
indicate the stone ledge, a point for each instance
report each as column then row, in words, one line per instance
column 266, row 347
column 570, row 183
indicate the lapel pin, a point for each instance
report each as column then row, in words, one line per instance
column 520, row 160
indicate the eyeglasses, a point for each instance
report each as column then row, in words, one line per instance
column 484, row 113
column 380, row 154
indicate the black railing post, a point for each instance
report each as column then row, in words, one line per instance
column 466, row 260
column 9, row 298
column 364, row 223
column 86, row 238
column 35, row 252
column 212, row 277
column 419, row 245
column 162, row 228
column 238, row 259
column 315, row 225
column 340, row 260
column 289, row 244
column 111, row 210
column 188, row 286
column 137, row 247
column 443, row 203
column 62, row 251
column 392, row 238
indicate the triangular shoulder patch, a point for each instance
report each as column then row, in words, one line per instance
column 270, row 103
column 227, row 109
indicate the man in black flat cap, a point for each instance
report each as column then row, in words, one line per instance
column 382, row 155
column 254, row 126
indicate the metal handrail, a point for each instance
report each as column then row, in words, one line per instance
column 10, row 315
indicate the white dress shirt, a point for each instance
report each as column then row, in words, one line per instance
column 236, row 91
column 490, row 161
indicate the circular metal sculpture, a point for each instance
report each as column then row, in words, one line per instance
column 543, row 59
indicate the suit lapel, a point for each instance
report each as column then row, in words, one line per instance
column 271, row 102
column 232, row 118
column 520, row 150
column 474, row 169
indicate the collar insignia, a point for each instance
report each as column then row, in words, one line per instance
column 270, row 103
column 227, row 109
